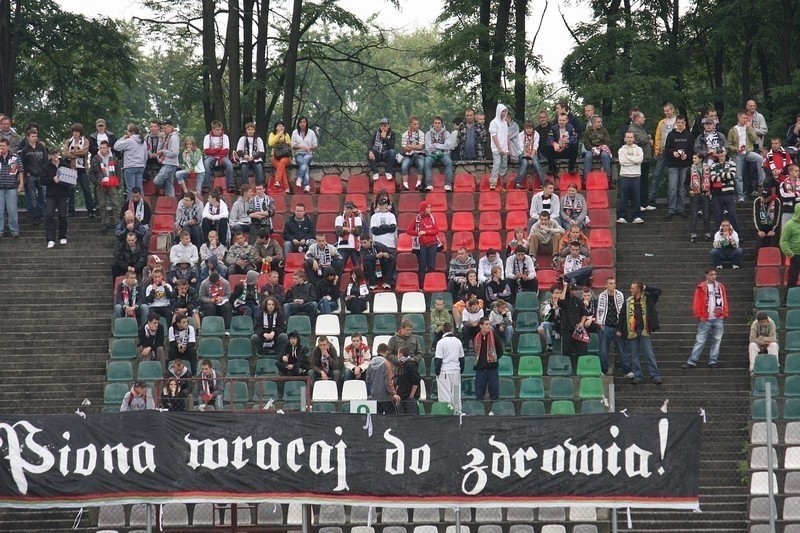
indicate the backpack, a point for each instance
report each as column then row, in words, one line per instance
column 163, row 242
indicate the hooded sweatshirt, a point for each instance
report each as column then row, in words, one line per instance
column 426, row 223
column 790, row 234
column 134, row 150
column 380, row 379
column 498, row 129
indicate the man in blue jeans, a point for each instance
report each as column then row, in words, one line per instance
column 710, row 306
column 11, row 184
column 488, row 351
column 610, row 304
column 638, row 322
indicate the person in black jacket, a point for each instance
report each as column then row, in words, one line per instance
column 380, row 149
column 379, row 263
column 56, row 198
column 171, row 398
column 328, row 293
column 570, row 302
column 678, row 149
column 128, row 254
column 34, row 159
column 299, row 231
column 295, row 361
column 182, row 340
column 301, row 298
column 270, row 329
column 637, row 324
column 151, row 340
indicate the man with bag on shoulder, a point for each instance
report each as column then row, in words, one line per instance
column 103, row 176
column 636, row 326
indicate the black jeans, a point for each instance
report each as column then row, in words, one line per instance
column 88, row 197
column 724, row 202
column 696, row 203
column 51, row 204
column 794, row 270
column 427, row 261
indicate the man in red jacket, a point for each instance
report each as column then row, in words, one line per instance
column 710, row 306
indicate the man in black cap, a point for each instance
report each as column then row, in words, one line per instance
column 380, row 149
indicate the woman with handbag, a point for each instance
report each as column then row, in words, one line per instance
column 574, row 338
column 281, row 144
column 425, row 242
column 304, row 142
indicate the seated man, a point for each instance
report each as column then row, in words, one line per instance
column 502, row 322
column 241, row 256
column 328, row 293
column 356, row 358
column 186, row 302
column 742, row 139
column 726, row 246
column 596, row 144
column 129, row 299
column 268, row 253
column 151, row 340
column 321, row 255
column 412, row 150
column 184, row 248
column 270, row 329
column 139, row 207
column 545, row 200
column 380, row 149
column 159, row 295
column 211, row 386
column 439, row 317
column 189, row 218
column 245, row 296
column 562, row 143
column 521, row 271
column 295, row 360
column 215, row 217
column 137, row 399
column 215, row 295
column 274, row 288
column 298, row 232
column 460, row 264
column 261, row 209
column 238, row 218
column 550, row 314
column 378, row 261
column 129, row 255
column 470, row 321
column 528, row 144
column 763, row 338
column 348, row 229
column 217, row 148
column 383, row 225
column 129, row 224
column 486, row 263
column 182, row 340
column 178, row 370
column 301, row 298
column 545, row 236
column 437, row 152
column 577, row 269
column 182, row 270
column 325, row 362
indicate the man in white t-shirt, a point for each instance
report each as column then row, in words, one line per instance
column 383, row 225
column 449, row 364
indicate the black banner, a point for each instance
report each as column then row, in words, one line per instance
column 150, row 456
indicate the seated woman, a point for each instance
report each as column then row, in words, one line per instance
column 304, row 142
column 520, row 239
column 250, row 154
column 171, row 397
column 215, row 216
column 356, row 299
column 281, row 151
column 191, row 162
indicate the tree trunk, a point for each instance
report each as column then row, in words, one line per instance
column 719, row 83
column 262, row 121
column 763, row 66
column 10, row 26
column 217, row 104
column 234, row 71
column 247, row 59
column 497, row 60
column 291, row 64
column 484, row 48
column 747, row 53
column 520, row 10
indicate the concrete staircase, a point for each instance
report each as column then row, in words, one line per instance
column 56, row 305
column 660, row 254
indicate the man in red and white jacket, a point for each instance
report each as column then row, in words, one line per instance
column 711, row 307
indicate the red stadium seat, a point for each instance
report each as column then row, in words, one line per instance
column 407, row 282
column 326, row 222
column 516, row 219
column 768, row 276
column 438, row 200
column 278, row 222
column 599, row 276
column 274, row 188
column 769, row 256
column 404, row 220
column 464, row 183
column 490, row 221
column 489, row 239
column 596, row 180
column 568, row 179
column 438, row 182
column 148, row 189
column 597, row 199
column 547, row 278
column 485, row 183
column 306, row 199
column 235, row 279
column 385, row 185
column 358, row 184
column 166, row 205
column 600, row 218
column 361, row 203
column 464, row 239
column 328, row 204
column 463, row 201
column 407, row 262
column 331, row 185
column 280, row 203
column 221, row 183
column 163, row 223
column 441, row 220
column 517, row 201
column 435, row 282
column 463, row 221
column 602, row 258
column 531, row 182
column 600, row 238
column 489, row 201
column 409, row 202
column 441, row 262
column 288, row 281
column 294, row 261
column 404, row 243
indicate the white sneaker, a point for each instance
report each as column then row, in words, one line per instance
column 638, row 220
column 649, row 208
column 375, row 176
column 405, row 185
column 298, row 182
column 735, row 267
column 448, row 188
column 389, row 177
column 50, row 244
column 630, row 375
column 307, row 188
column 429, row 188
column 62, row 241
column 621, row 220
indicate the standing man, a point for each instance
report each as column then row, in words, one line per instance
column 471, row 138
column 449, row 365
column 610, row 303
column 665, row 125
column 637, row 326
column 168, row 157
column 790, row 243
column 630, row 171
column 488, row 351
column 678, row 152
column 11, row 184
column 758, row 122
column 498, row 132
column 710, row 306
column 34, row 158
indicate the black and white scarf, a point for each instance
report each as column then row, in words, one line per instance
column 80, row 162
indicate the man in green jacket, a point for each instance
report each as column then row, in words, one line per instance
column 790, row 245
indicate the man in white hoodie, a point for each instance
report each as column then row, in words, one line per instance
column 449, row 364
column 498, row 132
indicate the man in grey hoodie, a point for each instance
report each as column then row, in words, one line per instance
column 380, row 385
column 134, row 151
column 168, row 155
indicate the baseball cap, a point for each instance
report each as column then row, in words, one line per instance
column 140, row 384
column 708, row 121
column 100, row 122
column 384, row 120
column 350, row 204
column 167, row 122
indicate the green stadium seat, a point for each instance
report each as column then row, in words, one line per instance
column 264, row 391
column 119, row 371
column 591, row 388
column 792, row 343
column 467, row 387
column 420, row 407
column 237, row 393
column 594, row 344
column 323, row 407
column 544, row 296
column 384, row 324
column 424, row 346
column 529, row 343
column 530, row 365
column 299, row 323
column 126, row 328
column 592, row 407
column 589, row 365
column 441, row 408
column 123, row 349
column 356, row 323
column 469, row 369
column 210, row 348
column 791, row 364
column 531, row 388
column 507, row 389
column 532, row 408
column 760, row 385
column 472, row 407
column 213, row 326
column 527, row 301
column 506, row 367
column 791, row 409
column 791, row 387
column 562, row 407
column 768, row 298
column 792, row 298
column 240, row 347
column 562, row 387
column 292, row 390
column 526, row 322
column 266, row 367
column 765, row 364
column 238, row 368
column 114, row 393
column 422, row 368
column 503, row 409
column 241, row 326
column 417, row 321
column 760, row 409
column 792, row 319
column 559, row 365
column 776, row 317
column 445, row 296
column 149, row 371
